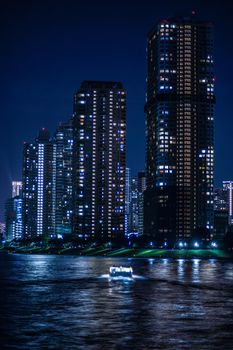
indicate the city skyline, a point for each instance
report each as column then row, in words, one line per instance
column 116, row 186
column 53, row 105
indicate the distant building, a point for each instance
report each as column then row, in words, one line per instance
column 39, row 174
column 141, row 189
column 99, row 163
column 179, row 134
column 127, row 198
column 13, row 218
column 223, row 200
column 136, row 189
column 220, row 224
column 228, row 186
column 16, row 188
column 63, row 186
column 133, row 213
column 13, row 213
column 2, row 230
column 141, row 181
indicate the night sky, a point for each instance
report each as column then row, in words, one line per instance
column 49, row 47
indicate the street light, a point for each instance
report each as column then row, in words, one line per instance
column 181, row 244
column 214, row 245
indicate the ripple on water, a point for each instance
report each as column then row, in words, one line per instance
column 69, row 303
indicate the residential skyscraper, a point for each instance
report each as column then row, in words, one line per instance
column 179, row 134
column 99, row 124
column 63, row 186
column 39, row 173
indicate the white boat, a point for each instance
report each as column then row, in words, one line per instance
column 120, row 273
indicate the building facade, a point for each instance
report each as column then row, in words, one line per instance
column 135, row 188
column 223, row 205
column 39, row 173
column 63, row 188
column 99, row 164
column 141, row 189
column 178, row 202
column 13, row 213
column 127, row 199
column 13, row 218
column 221, row 199
column 228, row 187
column 133, row 207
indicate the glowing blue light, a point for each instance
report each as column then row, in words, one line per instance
column 196, row 244
column 214, row 245
column 181, row 244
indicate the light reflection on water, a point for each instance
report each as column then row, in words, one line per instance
column 196, row 270
column 64, row 302
column 180, row 269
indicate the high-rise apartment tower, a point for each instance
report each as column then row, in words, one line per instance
column 99, row 164
column 39, row 174
column 179, row 135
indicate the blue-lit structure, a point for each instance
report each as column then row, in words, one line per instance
column 13, row 218
column 38, row 190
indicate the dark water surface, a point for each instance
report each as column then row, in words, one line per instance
column 64, row 302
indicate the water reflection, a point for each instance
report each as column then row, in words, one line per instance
column 151, row 261
column 61, row 303
column 196, row 270
column 181, row 269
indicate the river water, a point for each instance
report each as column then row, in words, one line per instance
column 66, row 302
